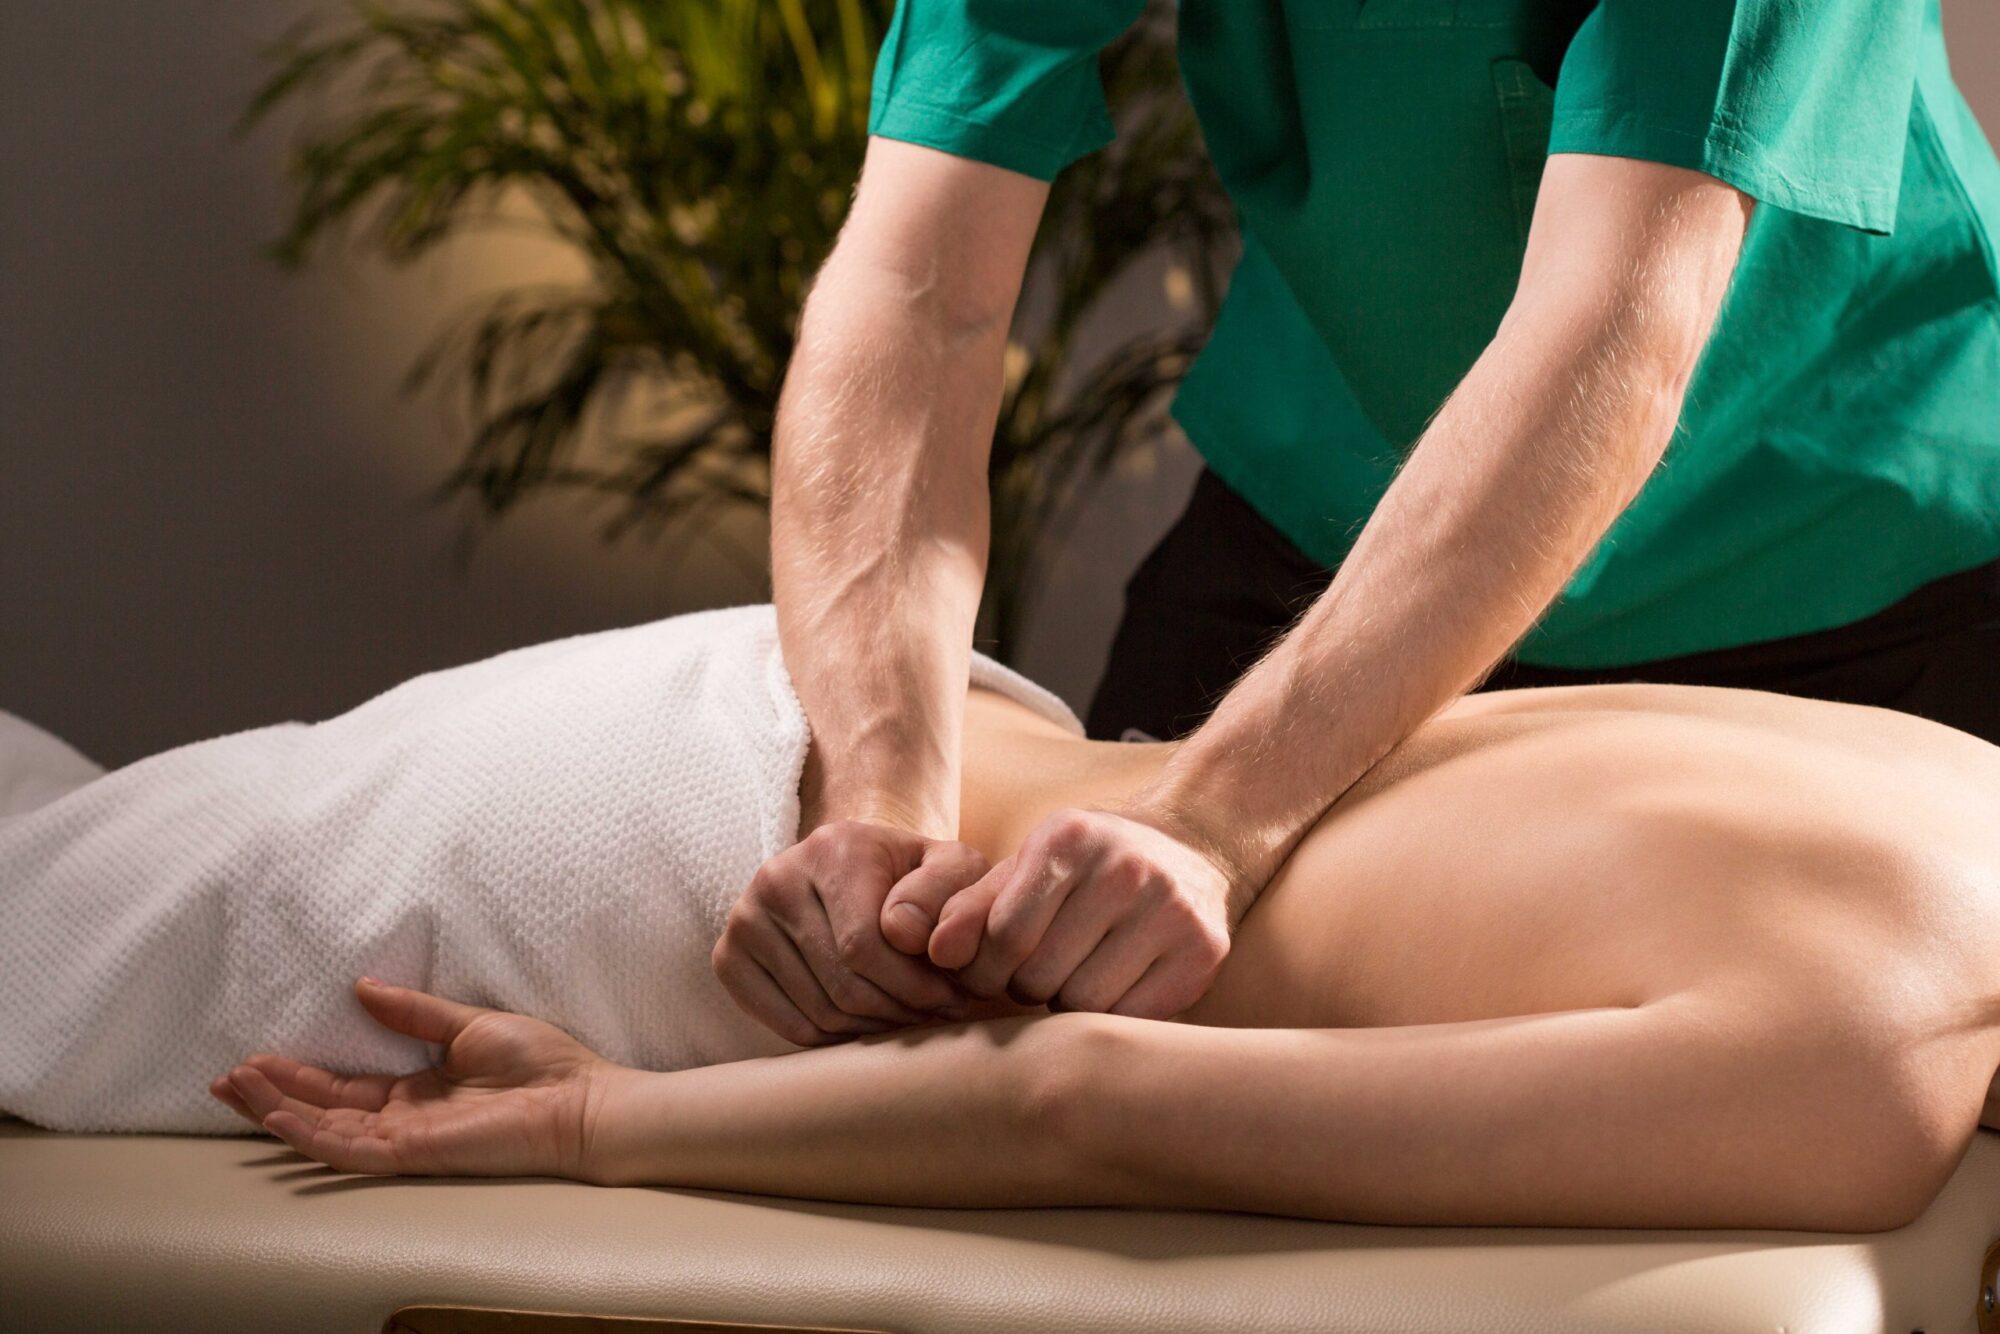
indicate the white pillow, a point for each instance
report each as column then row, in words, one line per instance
column 36, row 768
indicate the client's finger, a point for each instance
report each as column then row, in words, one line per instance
column 911, row 911
column 323, row 1088
column 415, row 1013
column 341, row 1150
column 262, row 1096
column 220, row 1090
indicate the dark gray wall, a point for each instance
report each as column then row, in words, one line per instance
column 211, row 498
column 212, row 506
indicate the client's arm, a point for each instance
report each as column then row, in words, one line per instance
column 1704, row 1110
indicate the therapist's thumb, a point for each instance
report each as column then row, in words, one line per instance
column 911, row 911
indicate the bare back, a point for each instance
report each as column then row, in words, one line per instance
column 1546, row 850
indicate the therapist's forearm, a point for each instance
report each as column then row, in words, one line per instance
column 879, row 537
column 1548, row 438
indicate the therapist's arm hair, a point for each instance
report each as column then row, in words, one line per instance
column 1548, row 438
column 879, row 492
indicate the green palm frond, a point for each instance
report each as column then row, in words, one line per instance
column 699, row 158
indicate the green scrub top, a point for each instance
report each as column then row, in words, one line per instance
column 1840, row 441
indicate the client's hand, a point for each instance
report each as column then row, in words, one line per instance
column 827, row 942
column 513, row 1096
column 1097, row 911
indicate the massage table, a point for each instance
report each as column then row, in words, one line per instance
column 109, row 1233
column 157, row 1233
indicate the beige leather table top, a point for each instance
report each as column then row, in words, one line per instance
column 143, row 1233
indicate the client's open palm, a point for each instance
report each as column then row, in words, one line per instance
column 513, row 1096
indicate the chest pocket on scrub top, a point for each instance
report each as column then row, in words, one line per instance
column 1527, row 111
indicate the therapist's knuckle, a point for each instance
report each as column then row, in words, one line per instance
column 823, row 844
column 728, row 967
column 1154, row 890
column 1207, row 950
column 1182, row 916
column 1128, row 871
column 769, row 885
column 846, row 840
column 1068, row 833
column 854, row 947
column 963, row 862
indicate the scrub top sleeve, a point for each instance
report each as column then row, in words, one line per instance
column 1013, row 83
column 1804, row 106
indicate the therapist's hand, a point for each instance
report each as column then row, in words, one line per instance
column 827, row 943
column 1099, row 910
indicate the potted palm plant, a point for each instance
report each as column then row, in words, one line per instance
column 699, row 157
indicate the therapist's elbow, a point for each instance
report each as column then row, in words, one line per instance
column 1658, row 321
column 1655, row 358
column 914, row 292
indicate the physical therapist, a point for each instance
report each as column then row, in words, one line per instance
column 1571, row 341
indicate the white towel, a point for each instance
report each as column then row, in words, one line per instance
column 559, row 831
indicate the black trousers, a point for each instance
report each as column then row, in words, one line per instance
column 1224, row 585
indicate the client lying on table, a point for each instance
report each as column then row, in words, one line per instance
column 1601, row 956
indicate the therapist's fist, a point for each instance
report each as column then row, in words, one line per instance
column 827, row 942
column 1097, row 911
